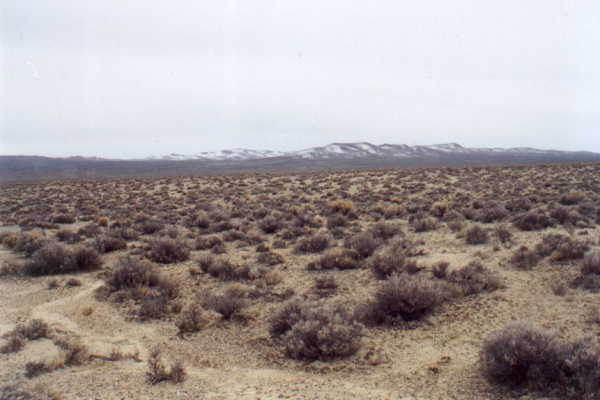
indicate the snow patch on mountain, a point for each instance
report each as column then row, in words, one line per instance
column 352, row 151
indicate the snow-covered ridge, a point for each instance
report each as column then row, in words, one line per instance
column 234, row 154
column 352, row 151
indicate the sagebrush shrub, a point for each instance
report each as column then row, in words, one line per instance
column 341, row 259
column 313, row 244
column 533, row 221
column 524, row 355
column 226, row 270
column 85, row 259
column 67, row 236
column 107, row 244
column 523, row 258
column 167, row 250
column 589, row 276
column 561, row 247
column 54, row 258
column 73, row 351
column 233, row 235
column 492, row 213
column 476, row 235
column 385, row 230
column 270, row 225
column 154, row 307
column 63, row 219
column 124, row 233
column 344, row 207
column 89, row 230
column 191, row 320
column 474, row 278
column 563, row 215
column 33, row 330
column 571, row 199
column 403, row 298
column 391, row 261
column 228, row 304
column 13, row 344
column 422, row 223
column 326, row 283
column 283, row 320
column 35, row 368
column 439, row 209
column 207, row 242
column 131, row 273
column 158, row 372
column 503, row 235
column 270, row 258
column 364, row 244
column 143, row 282
column 520, row 353
column 336, row 221
column 440, row 270
column 316, row 331
column 29, row 243
column 149, row 227
column 591, row 264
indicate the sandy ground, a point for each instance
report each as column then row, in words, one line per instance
column 433, row 359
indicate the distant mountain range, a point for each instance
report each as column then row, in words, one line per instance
column 334, row 156
column 357, row 150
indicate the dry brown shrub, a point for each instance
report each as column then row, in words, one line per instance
column 326, row 283
column 524, row 258
column 476, row 235
column 440, row 270
column 533, row 221
column 63, row 219
column 107, row 244
column 341, row 259
column 14, row 343
column 29, row 243
column 403, row 298
column 385, row 230
column 228, row 305
column 474, row 278
column 158, row 372
column 313, row 244
column 561, row 248
column 589, row 276
column 35, row 368
column 270, row 258
column 142, row 282
column 167, row 251
column 316, row 331
column 54, row 258
column 523, row 355
column 207, row 242
column 344, row 207
column 439, row 209
column 364, row 244
column 270, row 225
column 392, row 261
column 423, row 223
column 504, row 235
column 150, row 227
column 74, row 352
column 572, row 198
column 67, row 236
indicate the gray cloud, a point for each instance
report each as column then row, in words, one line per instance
column 133, row 78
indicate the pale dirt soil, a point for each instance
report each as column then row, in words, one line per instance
column 432, row 359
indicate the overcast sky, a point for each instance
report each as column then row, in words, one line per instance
column 132, row 78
